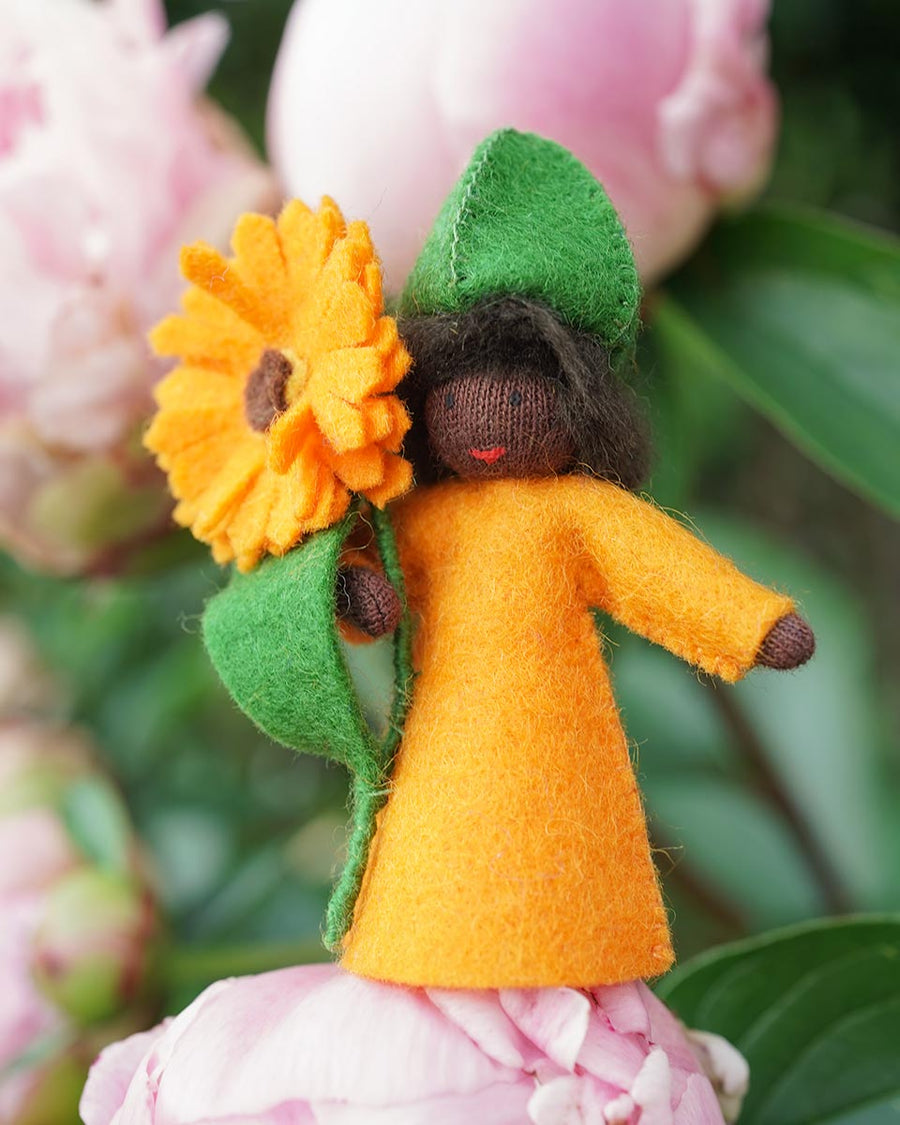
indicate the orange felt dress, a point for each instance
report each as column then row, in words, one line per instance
column 513, row 850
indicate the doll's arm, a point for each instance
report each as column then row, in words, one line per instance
column 366, row 600
column 366, row 603
column 652, row 574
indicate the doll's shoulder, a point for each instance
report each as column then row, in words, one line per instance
column 583, row 495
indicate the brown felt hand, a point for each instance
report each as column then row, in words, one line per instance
column 788, row 644
column 367, row 600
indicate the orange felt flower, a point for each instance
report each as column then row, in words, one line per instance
column 281, row 405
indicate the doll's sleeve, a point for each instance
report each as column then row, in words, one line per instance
column 649, row 572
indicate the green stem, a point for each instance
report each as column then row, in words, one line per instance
column 369, row 792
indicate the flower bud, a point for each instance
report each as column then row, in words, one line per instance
column 91, row 946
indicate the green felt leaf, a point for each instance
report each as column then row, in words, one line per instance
column 800, row 312
column 272, row 636
column 816, row 1011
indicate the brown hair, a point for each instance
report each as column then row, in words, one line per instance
column 513, row 335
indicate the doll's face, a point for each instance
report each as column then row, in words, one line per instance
column 485, row 426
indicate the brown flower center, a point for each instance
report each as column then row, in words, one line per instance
column 264, row 395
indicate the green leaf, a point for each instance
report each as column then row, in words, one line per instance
column 800, row 313
column 272, row 636
column 98, row 823
column 816, row 1011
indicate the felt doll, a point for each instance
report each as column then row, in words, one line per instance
column 513, row 849
column 499, row 837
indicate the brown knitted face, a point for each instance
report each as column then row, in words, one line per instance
column 484, row 426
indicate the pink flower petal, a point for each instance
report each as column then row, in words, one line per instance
column 263, row 1041
column 568, row 1100
column 652, row 1089
column 107, row 158
column 481, row 1017
column 112, row 1074
column 555, row 1019
column 195, row 47
column 316, row 1046
column 666, row 101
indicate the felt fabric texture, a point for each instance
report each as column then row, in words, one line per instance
column 280, row 409
column 272, row 636
column 526, row 218
column 513, row 851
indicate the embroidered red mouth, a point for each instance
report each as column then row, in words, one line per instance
column 489, row 456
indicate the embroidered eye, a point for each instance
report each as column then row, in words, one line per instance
column 515, row 398
column 449, row 400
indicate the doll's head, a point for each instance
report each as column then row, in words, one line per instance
column 507, row 390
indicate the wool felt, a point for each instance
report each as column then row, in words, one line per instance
column 281, row 407
column 513, row 851
column 527, row 218
column 272, row 636
column 264, row 393
column 505, row 336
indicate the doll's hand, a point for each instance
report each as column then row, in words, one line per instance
column 788, row 644
column 367, row 600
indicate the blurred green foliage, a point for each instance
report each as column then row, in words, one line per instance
column 815, row 1011
column 773, row 802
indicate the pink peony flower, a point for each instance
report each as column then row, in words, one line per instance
column 315, row 1045
column 108, row 163
column 666, row 101
column 75, row 925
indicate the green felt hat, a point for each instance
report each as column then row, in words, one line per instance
column 528, row 219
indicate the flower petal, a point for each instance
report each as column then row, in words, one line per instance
column 112, row 1074
column 555, row 1019
column 395, row 358
column 481, row 1017
column 340, row 315
column 288, row 435
column 229, row 487
column 342, row 424
column 173, row 433
column 294, row 503
column 190, row 476
column 189, row 387
column 652, row 1089
column 351, row 374
column 212, row 272
column 193, row 342
column 247, row 527
column 260, row 262
column 360, row 469
column 316, row 1034
column 568, row 1100
column 387, row 421
column 398, row 476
